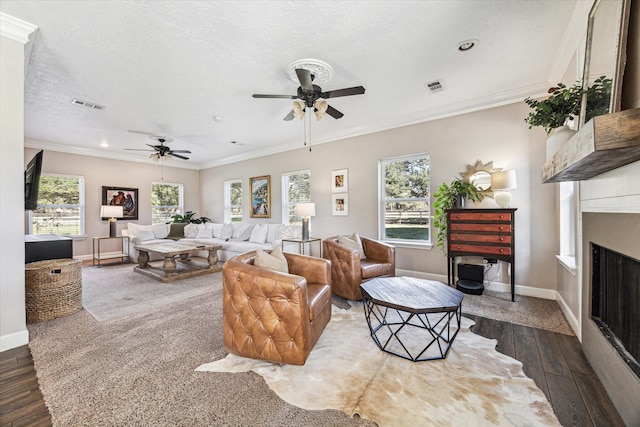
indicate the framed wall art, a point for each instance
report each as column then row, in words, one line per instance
column 340, row 204
column 339, row 181
column 260, row 190
column 120, row 196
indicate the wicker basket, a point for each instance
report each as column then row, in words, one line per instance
column 53, row 289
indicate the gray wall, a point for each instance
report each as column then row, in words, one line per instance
column 498, row 134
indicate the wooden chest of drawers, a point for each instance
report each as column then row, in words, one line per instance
column 488, row 233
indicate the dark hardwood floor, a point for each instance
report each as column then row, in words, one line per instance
column 554, row 361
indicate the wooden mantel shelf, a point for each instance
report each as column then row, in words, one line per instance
column 604, row 143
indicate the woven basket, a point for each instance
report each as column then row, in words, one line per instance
column 53, row 289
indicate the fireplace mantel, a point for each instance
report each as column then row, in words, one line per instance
column 604, row 143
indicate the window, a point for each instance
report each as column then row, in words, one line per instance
column 404, row 199
column 233, row 201
column 60, row 206
column 296, row 188
column 166, row 200
column 567, row 221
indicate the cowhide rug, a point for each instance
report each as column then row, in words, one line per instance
column 474, row 385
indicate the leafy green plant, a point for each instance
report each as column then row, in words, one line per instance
column 565, row 102
column 445, row 198
column 188, row 218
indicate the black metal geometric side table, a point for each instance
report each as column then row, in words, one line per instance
column 412, row 318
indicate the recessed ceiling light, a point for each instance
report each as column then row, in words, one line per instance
column 104, row 144
column 217, row 118
column 466, row 45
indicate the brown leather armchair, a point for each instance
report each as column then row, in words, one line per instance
column 274, row 316
column 348, row 270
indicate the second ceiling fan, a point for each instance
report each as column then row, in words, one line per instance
column 313, row 97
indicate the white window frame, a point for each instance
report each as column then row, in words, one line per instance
column 286, row 203
column 383, row 200
column 180, row 197
column 81, row 206
column 567, row 224
column 227, row 199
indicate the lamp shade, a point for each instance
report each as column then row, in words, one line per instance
column 111, row 211
column 306, row 209
column 504, row 180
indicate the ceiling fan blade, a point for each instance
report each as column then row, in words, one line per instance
column 289, row 116
column 304, row 76
column 334, row 113
column 180, row 151
column 155, row 147
column 256, row 95
column 357, row 90
column 179, row 156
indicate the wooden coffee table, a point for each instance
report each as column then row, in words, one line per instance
column 412, row 318
column 170, row 270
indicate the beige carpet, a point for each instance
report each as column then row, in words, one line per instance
column 113, row 291
column 528, row 311
column 474, row 385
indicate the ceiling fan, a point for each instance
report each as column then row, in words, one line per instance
column 312, row 96
column 161, row 150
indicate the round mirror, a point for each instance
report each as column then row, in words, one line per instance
column 480, row 175
column 481, row 179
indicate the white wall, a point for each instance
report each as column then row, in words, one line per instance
column 99, row 172
column 499, row 135
column 13, row 328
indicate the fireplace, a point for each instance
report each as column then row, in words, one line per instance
column 608, row 305
column 615, row 302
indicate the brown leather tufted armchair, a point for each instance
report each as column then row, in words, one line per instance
column 275, row 316
column 348, row 270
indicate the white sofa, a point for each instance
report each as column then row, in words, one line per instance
column 234, row 238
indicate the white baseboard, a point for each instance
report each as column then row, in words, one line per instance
column 495, row 286
column 570, row 316
column 16, row 339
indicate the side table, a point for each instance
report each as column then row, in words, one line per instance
column 302, row 243
column 99, row 256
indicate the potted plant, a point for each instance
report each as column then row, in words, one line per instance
column 447, row 197
column 564, row 104
column 188, row 218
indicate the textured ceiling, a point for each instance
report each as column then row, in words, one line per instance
column 169, row 67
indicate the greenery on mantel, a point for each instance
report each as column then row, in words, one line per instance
column 446, row 198
column 564, row 102
column 188, row 218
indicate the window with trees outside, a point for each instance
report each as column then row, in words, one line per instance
column 233, row 201
column 166, row 200
column 296, row 188
column 404, row 199
column 60, row 207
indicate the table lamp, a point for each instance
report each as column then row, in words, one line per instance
column 112, row 212
column 500, row 181
column 305, row 210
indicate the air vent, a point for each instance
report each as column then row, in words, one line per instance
column 435, row 86
column 87, row 104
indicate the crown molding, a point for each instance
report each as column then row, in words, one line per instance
column 16, row 29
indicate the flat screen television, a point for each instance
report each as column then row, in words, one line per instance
column 32, row 182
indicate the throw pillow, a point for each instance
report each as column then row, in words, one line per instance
column 145, row 235
column 356, row 238
column 160, row 230
column 259, row 233
column 272, row 232
column 134, row 229
column 273, row 261
column 285, row 232
column 350, row 243
column 242, row 231
column 190, row 231
column 215, row 228
column 226, row 232
column 204, row 232
column 176, row 231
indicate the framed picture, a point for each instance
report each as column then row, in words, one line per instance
column 339, row 181
column 260, row 190
column 340, row 204
column 125, row 197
